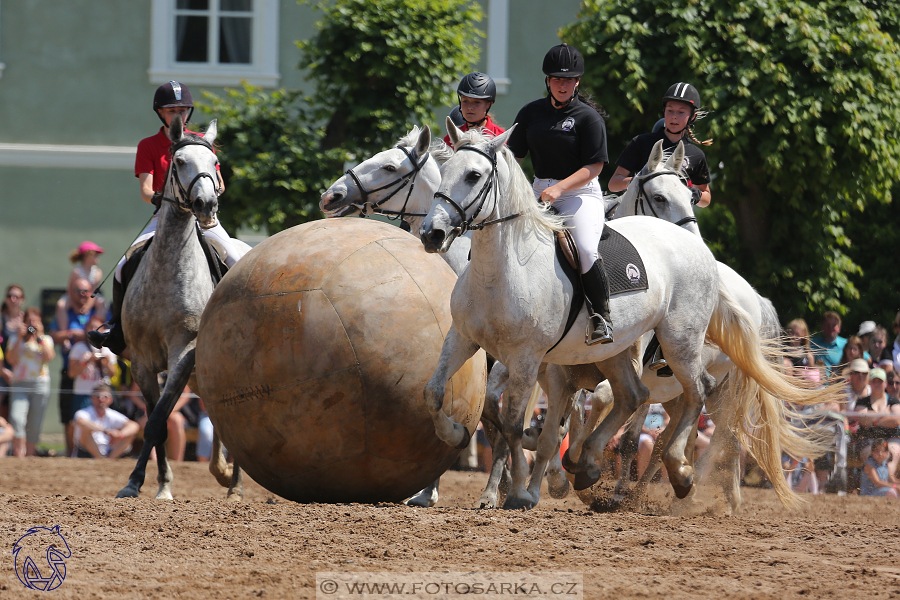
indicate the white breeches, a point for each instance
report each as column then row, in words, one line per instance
column 235, row 249
column 584, row 211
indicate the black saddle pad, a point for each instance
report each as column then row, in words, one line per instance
column 623, row 264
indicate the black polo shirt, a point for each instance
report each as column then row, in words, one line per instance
column 560, row 141
column 637, row 153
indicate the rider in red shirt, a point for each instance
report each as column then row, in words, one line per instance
column 150, row 167
column 476, row 94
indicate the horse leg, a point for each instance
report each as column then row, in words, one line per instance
column 236, row 488
column 218, row 465
column 579, row 430
column 490, row 419
column 628, row 447
column 427, row 497
column 674, row 410
column 149, row 386
column 180, row 370
column 522, row 378
column 629, row 394
column 560, row 384
column 724, row 446
column 454, row 353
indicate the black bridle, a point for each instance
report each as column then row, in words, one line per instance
column 491, row 184
column 184, row 202
column 642, row 200
column 409, row 178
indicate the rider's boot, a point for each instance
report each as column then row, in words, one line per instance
column 658, row 363
column 596, row 292
column 114, row 338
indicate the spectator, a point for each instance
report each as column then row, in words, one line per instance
column 886, row 364
column 29, row 351
column 176, row 438
column 87, row 367
column 705, row 430
column 204, row 435
column 101, row 432
column 866, row 328
column 877, row 345
column 84, row 260
column 857, row 373
column 853, row 349
column 827, row 344
column 895, row 349
column 66, row 333
column 893, row 384
column 876, row 478
column 879, row 427
column 656, row 421
column 798, row 340
column 11, row 315
column 7, row 433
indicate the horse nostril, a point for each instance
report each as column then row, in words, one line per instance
column 197, row 205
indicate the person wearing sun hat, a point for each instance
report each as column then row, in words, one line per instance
column 84, row 260
column 884, row 421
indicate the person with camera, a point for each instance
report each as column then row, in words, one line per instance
column 29, row 351
column 89, row 366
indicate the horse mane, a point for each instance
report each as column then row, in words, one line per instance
column 519, row 196
column 438, row 150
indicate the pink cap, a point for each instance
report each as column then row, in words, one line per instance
column 89, row 246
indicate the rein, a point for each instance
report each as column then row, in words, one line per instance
column 409, row 178
column 641, row 201
column 184, row 202
column 481, row 198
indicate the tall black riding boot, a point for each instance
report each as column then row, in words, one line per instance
column 114, row 338
column 596, row 293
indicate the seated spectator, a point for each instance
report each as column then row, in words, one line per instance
column 827, row 344
column 705, row 430
column 857, row 374
column 176, row 438
column 7, row 433
column 879, row 427
column 204, row 435
column 866, row 328
column 853, row 349
column 798, row 342
column 88, row 367
column 886, row 364
column 876, row 346
column 877, row 478
column 101, row 432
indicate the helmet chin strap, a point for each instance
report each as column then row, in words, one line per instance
column 470, row 123
column 556, row 103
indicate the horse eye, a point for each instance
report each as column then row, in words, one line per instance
column 180, row 162
column 659, row 198
column 390, row 168
column 473, row 176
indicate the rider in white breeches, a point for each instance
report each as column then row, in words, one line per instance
column 584, row 209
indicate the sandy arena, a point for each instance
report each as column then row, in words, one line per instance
column 200, row 547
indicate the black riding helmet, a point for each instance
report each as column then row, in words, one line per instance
column 562, row 61
column 683, row 92
column 478, row 85
column 173, row 94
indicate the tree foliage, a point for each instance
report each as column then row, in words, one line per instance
column 804, row 105
column 376, row 67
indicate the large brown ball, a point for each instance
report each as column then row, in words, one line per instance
column 312, row 357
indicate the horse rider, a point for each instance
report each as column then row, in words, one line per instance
column 150, row 167
column 681, row 104
column 476, row 93
column 566, row 136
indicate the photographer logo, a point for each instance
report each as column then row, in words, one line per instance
column 40, row 558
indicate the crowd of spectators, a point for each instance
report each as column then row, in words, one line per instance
column 98, row 401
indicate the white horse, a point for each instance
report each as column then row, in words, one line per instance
column 163, row 303
column 399, row 183
column 512, row 301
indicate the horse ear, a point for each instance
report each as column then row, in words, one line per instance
column 655, row 156
column 176, row 129
column 677, row 159
column 424, row 142
column 495, row 144
column 453, row 131
column 211, row 131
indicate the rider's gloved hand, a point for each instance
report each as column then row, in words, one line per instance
column 156, row 200
column 696, row 194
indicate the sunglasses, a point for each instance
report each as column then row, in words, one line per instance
column 15, row 296
column 87, row 291
column 103, row 396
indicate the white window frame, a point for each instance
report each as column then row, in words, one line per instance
column 2, row 66
column 262, row 72
column 497, row 44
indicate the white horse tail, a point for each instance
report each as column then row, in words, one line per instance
column 765, row 423
column 532, row 402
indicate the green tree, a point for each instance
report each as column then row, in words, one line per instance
column 376, row 67
column 804, row 104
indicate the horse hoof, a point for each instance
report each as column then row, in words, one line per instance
column 586, row 479
column 682, row 482
column 165, row 496
column 568, row 465
column 128, row 491
column 422, row 500
column 518, row 503
column 234, row 497
column 557, row 485
column 487, row 502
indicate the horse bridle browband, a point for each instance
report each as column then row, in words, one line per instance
column 639, row 200
column 184, row 202
column 481, row 197
column 402, row 180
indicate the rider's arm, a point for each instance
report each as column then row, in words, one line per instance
column 705, row 197
column 620, row 180
column 146, row 182
column 576, row 180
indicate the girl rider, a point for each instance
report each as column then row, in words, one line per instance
column 566, row 136
column 150, row 167
column 680, row 106
column 476, row 94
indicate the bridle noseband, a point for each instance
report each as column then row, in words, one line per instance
column 409, row 178
column 642, row 201
column 492, row 183
column 184, row 202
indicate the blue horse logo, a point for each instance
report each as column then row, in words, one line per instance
column 46, row 543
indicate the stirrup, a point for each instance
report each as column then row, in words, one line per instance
column 658, row 361
column 589, row 335
column 97, row 339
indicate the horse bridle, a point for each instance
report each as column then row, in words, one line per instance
column 409, row 178
column 492, row 183
column 184, row 202
column 641, row 201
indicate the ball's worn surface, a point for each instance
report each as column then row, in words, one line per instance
column 312, row 357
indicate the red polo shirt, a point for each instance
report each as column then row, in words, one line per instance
column 153, row 157
column 490, row 129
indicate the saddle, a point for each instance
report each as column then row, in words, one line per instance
column 214, row 259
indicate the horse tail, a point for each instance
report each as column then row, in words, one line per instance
column 765, row 424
